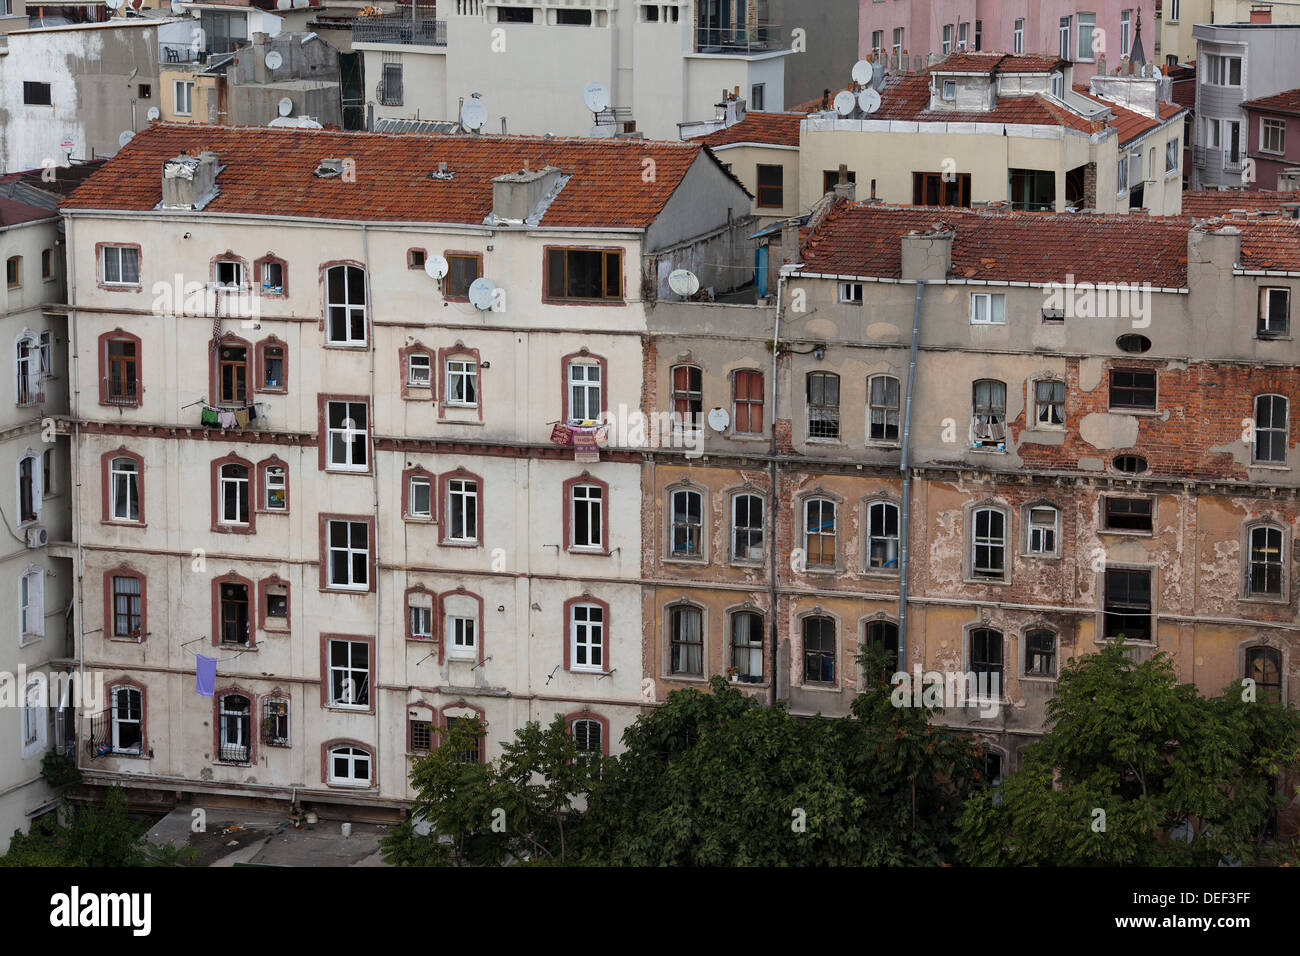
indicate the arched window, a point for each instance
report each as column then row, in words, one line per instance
column 1270, row 428
column 686, row 641
column 127, row 719
column 882, row 536
column 123, row 500
column 233, row 489
column 585, row 384
column 587, row 622
column 28, row 367
column 234, row 728
column 31, row 604
column 746, row 527
column 345, row 305
column 1264, row 667
column 234, row 627
column 986, row 655
column 988, row 543
column 818, row 650
column 349, row 766
column 1267, row 561
column 275, row 721
column 747, row 645
column 29, row 488
column 1040, row 652
column 588, row 737
column 882, row 636
column 686, row 531
column 586, row 503
column 883, row 402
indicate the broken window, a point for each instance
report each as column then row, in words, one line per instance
column 747, row 644
column 1270, row 428
column 1127, row 608
column 1040, row 653
column 1264, row 667
column 686, row 641
column 823, row 389
column 584, row 273
column 989, row 413
column 883, row 402
column 988, row 543
column 1127, row 514
column 688, row 396
column 1042, row 530
column 818, row 650
column 1266, row 565
column 830, row 177
column 277, row 606
column 986, row 656
column 819, row 532
column 882, row 536
column 747, row 528
column 686, row 529
column 1274, row 313
column 1049, row 398
column 272, row 277
column 883, row 636
column 1132, row 388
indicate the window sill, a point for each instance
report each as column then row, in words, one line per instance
column 1001, row 582
column 1265, row 599
column 822, row 688
column 336, row 470
column 1140, row 412
column 123, row 524
column 986, row 450
column 423, row 393
column 1269, row 466
column 459, row 421
column 883, row 444
column 29, row 639
column 1103, row 641
column 1037, row 556
column 590, row 672
column 589, row 552
column 339, row 785
column 551, row 300
column 822, row 570
column 346, row 346
column 1126, row 533
column 344, row 709
column 272, row 390
column 823, row 441
column 685, row 559
column 460, row 544
column 686, row 678
column 232, row 529
column 747, row 563
column 460, row 659
column 879, row 574
column 242, row 648
column 276, row 629
column 1272, row 338
column 341, row 589
column 419, row 519
column 747, row 436
column 271, row 511
column 1038, row 678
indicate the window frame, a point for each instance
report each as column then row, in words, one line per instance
column 102, row 250
column 445, row 490
column 329, row 669
column 220, row 739
column 1264, row 321
column 985, row 662
column 259, row 277
column 1030, row 654
column 995, row 421
column 553, row 297
column 584, row 358
column 974, row 542
column 569, row 631
column 125, row 571
column 348, row 308
column 262, row 500
column 1275, row 433
column 1111, row 388
column 107, row 364
column 735, row 529
column 675, row 644
column 748, row 402
column 454, row 257
column 805, row 533
column 804, row 652
column 884, row 409
column 1107, row 514
column 349, row 434
column 219, row 602
column 107, row 484
column 260, row 383
column 995, row 308
column 31, row 605
column 571, row 509
column 1282, row 566
column 326, row 522
column 218, row 363
column 265, row 618
column 671, row 525
column 823, row 408
column 1269, row 124
column 115, row 722
column 870, row 507
column 1030, row 526
column 1039, row 405
column 735, row 648
column 221, row 521
column 769, row 195
column 1104, row 592
column 409, row 477
column 357, row 752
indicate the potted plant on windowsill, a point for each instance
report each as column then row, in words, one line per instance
column 733, row 674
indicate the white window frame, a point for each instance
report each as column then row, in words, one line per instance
column 419, row 370
column 1171, row 156
column 37, row 493
column 119, row 252
column 589, row 497
column 1036, row 531
column 462, row 380
column 348, row 433
column 1267, row 319
column 350, row 309
column 1282, row 430
column 585, row 383
column 29, row 366
column 1121, row 175
column 275, row 476
column 132, row 480
column 116, row 721
column 183, row 95
column 1058, row 85
column 420, row 619
column 948, row 92
column 1272, row 124
column 1173, row 10
column 899, row 41
column 587, row 635
column 748, row 530
column 349, row 687
column 850, row 293
column 1063, row 32
column 987, row 541
column 232, row 265
column 354, row 757
column 1018, row 36
column 241, row 494
column 946, row 46
column 1085, row 34
column 963, row 35
column 348, row 550
column 877, row 511
column 413, row 510
column 466, row 490
column 462, row 637
column 1125, row 32
column 1218, row 70
column 31, row 605
column 994, row 308
column 34, row 720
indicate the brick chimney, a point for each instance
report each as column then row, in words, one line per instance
column 189, row 182
column 845, row 189
column 1261, row 13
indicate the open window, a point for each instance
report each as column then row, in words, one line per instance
column 584, row 274
column 1127, row 604
column 989, row 414
column 747, row 645
column 234, row 728
column 1274, row 313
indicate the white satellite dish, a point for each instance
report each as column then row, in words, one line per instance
column 436, row 267
column 481, row 293
column 719, row 419
column 273, row 60
column 285, row 106
column 283, row 4
column 844, row 102
column 302, row 3
column 869, row 100
column 683, row 282
column 863, row 72
column 596, row 97
column 473, row 114
column 153, row 113
column 176, row 7
column 115, row 4
column 125, row 138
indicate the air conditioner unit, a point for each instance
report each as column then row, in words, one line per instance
column 37, row 537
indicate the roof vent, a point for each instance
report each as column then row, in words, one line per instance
column 329, row 168
column 442, row 172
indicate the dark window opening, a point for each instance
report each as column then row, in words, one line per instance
column 1264, row 667
column 1040, row 653
column 36, row 94
column 1127, row 608
column 1133, row 343
column 818, row 650
column 941, row 189
column 771, row 186
column 461, row 272
column 986, row 656
column 584, row 273
column 1131, row 388
column 1127, row 514
column 832, row 176
column 823, row 405
column 234, row 614
column 1266, row 567
column 1132, row 464
column 1032, row 190
column 514, row 15
column 574, row 18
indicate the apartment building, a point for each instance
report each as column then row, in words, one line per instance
column 1237, row 63
column 1273, row 139
column 376, row 498
column 1072, row 460
column 971, row 128
column 35, row 496
column 1178, row 17
column 528, row 63
column 1109, row 28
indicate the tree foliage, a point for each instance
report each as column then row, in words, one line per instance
column 1136, row 770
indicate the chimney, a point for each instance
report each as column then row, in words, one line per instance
column 845, row 189
column 790, row 240
column 515, row 196
column 1213, row 249
column 1261, row 13
column 189, row 182
column 927, row 253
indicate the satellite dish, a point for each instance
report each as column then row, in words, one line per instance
column 115, row 4
column 436, row 267
column 125, row 138
column 719, row 419
column 863, row 72
column 481, row 293
column 869, row 100
column 176, row 7
column 844, row 102
column 683, row 282
column 473, row 114
column 285, row 106
column 302, row 3
column 596, row 97
column 153, row 113
column 283, row 4
column 273, row 60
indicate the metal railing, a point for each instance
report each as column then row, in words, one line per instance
column 397, row 29
column 235, row 753
column 737, row 39
column 120, row 393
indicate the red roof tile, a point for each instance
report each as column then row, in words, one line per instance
column 1214, row 203
column 988, row 63
column 863, row 239
column 1273, row 244
column 1129, row 123
column 270, row 171
column 1288, row 101
column 773, row 129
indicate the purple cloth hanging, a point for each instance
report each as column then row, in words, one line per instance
column 205, row 677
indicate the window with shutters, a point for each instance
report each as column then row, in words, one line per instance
column 747, row 405
column 29, row 488
column 588, row 737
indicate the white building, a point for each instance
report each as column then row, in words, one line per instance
column 394, row 540
column 529, row 62
column 34, row 497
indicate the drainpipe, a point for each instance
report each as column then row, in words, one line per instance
column 774, row 497
column 79, row 623
column 904, row 466
column 374, row 480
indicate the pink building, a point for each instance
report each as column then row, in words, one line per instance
column 1077, row 30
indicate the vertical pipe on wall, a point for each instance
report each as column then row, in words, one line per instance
column 904, row 466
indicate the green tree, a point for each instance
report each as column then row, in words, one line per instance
column 1136, row 769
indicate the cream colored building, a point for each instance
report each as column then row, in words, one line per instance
column 1177, row 45
column 395, row 539
column 34, row 499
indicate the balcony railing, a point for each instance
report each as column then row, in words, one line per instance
column 397, row 29
column 737, row 40
column 1232, row 162
column 117, row 392
column 235, row 753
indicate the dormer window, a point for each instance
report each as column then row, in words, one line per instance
column 1058, row 85
column 949, row 89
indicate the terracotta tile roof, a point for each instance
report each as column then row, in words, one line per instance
column 1131, row 124
column 774, row 129
column 864, row 239
column 269, row 170
column 988, row 63
column 1288, row 101
column 1213, row 203
column 1273, row 244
